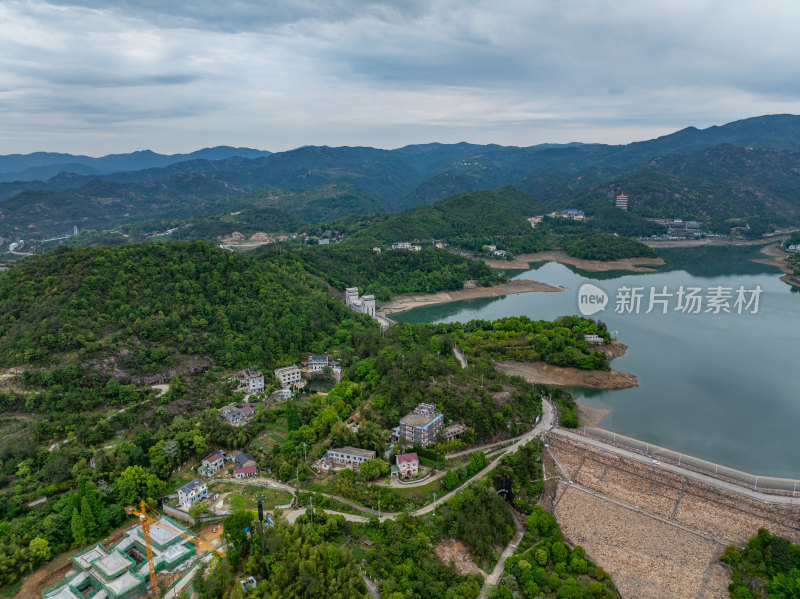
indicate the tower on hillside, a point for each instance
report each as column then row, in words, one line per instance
column 621, row 201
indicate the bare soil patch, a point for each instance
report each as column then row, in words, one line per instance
column 452, row 550
column 401, row 303
column 523, row 261
column 540, row 372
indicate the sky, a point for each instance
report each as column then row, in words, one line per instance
column 97, row 77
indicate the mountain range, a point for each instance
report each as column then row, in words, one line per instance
column 745, row 169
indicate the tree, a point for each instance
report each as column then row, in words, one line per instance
column 40, row 550
column 371, row 436
column 135, row 484
column 197, row 509
column 372, row 469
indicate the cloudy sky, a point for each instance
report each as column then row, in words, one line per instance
column 96, row 77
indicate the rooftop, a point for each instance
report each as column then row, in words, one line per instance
column 356, row 451
column 414, row 419
column 242, row 458
column 161, row 532
column 286, row 369
column 246, row 470
column 407, row 457
column 212, row 457
column 85, row 559
column 124, row 584
column 187, row 488
column 113, row 564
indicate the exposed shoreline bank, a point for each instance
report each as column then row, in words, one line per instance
column 775, row 256
column 523, row 261
column 541, row 372
column 401, row 303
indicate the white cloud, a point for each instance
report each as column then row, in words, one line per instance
column 83, row 77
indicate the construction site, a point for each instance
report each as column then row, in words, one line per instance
column 156, row 545
column 659, row 532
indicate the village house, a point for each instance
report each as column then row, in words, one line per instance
column 350, row 457
column 251, row 381
column 317, row 363
column 231, row 414
column 422, row 426
column 592, row 338
column 407, row 464
column 288, row 376
column 282, row 394
column 246, row 471
column 213, row 462
column 191, row 493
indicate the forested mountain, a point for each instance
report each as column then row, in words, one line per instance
column 358, row 180
column 144, row 307
column 719, row 183
column 43, row 165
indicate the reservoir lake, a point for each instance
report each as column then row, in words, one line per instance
column 724, row 387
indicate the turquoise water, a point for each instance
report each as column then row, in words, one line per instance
column 723, row 387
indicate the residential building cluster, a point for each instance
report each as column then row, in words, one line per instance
column 244, row 466
column 237, row 414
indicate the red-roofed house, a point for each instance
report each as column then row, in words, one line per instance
column 213, row 462
column 247, row 411
column 407, row 464
column 246, row 471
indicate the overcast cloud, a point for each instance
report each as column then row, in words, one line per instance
column 97, row 77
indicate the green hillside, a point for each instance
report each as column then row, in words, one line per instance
column 389, row 273
column 145, row 306
column 471, row 215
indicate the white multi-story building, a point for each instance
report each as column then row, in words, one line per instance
column 422, row 426
column 252, row 381
column 288, row 376
column 191, row 493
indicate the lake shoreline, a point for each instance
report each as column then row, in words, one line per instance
column 569, row 376
column 402, row 303
column 523, row 261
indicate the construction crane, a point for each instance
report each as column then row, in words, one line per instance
column 146, row 520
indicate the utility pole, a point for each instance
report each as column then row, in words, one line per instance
column 434, row 504
column 304, row 452
column 261, row 527
column 312, row 509
column 379, row 507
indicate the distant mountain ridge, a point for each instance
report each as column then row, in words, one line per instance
column 43, row 165
column 336, row 181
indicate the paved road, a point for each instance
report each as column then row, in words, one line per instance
column 497, row 572
column 710, row 480
column 545, row 424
